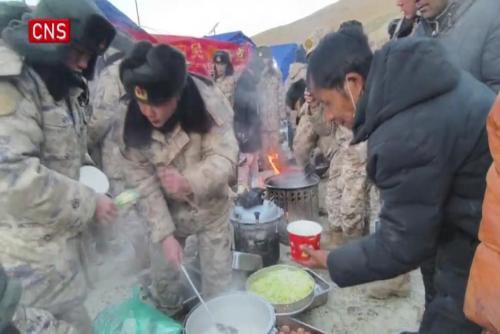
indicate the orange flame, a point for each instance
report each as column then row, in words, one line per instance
column 274, row 162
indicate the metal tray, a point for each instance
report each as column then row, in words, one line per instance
column 284, row 309
column 295, row 324
column 321, row 293
column 321, row 290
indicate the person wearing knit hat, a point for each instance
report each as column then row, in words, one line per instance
column 43, row 115
column 224, row 77
column 180, row 148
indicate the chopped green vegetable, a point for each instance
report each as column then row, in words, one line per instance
column 283, row 286
column 126, row 197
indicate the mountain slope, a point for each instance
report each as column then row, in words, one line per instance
column 374, row 14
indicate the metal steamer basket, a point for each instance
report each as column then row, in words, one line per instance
column 256, row 231
column 296, row 194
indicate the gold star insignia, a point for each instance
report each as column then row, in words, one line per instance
column 141, row 94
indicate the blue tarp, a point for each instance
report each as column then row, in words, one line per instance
column 285, row 55
column 115, row 15
column 236, row 37
column 122, row 21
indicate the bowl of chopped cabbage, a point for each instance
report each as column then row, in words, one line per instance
column 288, row 288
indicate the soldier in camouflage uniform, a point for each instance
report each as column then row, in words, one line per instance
column 296, row 73
column 42, row 147
column 181, row 155
column 313, row 132
column 272, row 108
column 224, row 76
column 105, row 139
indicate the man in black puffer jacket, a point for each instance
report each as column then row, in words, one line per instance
column 424, row 120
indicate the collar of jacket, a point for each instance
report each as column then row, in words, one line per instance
column 447, row 19
column 172, row 143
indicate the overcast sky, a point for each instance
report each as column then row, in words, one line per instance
column 197, row 17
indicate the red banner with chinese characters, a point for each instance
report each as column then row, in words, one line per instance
column 199, row 52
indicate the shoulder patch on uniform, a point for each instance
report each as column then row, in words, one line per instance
column 9, row 98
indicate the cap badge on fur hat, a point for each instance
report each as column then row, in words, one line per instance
column 141, row 94
column 218, row 59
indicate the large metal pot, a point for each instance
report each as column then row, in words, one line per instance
column 246, row 312
column 256, row 231
column 296, row 194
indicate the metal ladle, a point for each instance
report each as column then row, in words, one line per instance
column 219, row 326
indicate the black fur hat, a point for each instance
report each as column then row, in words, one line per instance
column 153, row 74
column 222, row 57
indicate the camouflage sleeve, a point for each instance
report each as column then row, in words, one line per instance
column 282, row 101
column 34, row 320
column 305, row 139
column 218, row 165
column 29, row 191
column 140, row 174
column 108, row 92
column 355, row 195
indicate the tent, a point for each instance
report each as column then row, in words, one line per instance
column 236, row 37
column 122, row 22
column 285, row 55
column 199, row 52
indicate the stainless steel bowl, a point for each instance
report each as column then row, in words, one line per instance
column 241, row 310
column 285, row 309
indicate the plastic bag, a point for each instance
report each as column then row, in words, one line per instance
column 134, row 317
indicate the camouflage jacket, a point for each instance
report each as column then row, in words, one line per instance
column 42, row 147
column 108, row 91
column 208, row 162
column 313, row 131
column 349, row 188
column 227, row 85
column 105, row 126
column 297, row 72
column 272, row 108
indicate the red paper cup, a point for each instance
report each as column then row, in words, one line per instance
column 303, row 233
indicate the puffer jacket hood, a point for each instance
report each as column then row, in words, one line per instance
column 406, row 62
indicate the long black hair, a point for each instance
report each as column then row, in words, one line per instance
column 191, row 114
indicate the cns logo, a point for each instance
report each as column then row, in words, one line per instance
column 49, row 30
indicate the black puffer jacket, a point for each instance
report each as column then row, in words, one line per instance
column 424, row 120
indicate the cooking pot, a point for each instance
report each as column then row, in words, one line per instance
column 297, row 194
column 246, row 312
column 256, row 230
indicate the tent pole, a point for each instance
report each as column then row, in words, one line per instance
column 137, row 12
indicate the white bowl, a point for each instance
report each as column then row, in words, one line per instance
column 95, row 179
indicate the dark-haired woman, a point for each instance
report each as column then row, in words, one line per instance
column 224, row 77
column 182, row 153
column 424, row 120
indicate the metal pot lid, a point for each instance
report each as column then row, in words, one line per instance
column 266, row 213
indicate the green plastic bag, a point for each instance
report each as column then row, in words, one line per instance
column 134, row 317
